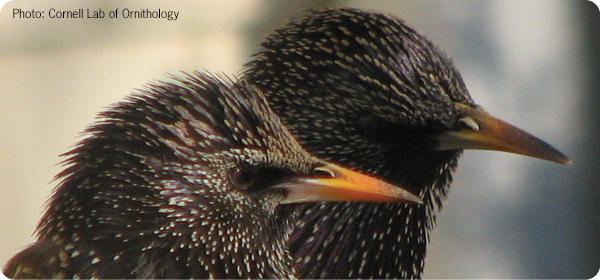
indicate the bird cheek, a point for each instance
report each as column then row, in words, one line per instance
column 270, row 199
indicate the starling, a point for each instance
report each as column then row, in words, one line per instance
column 366, row 90
column 183, row 180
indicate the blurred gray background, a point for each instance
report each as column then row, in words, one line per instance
column 535, row 64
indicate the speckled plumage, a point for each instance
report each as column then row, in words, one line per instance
column 366, row 90
column 152, row 191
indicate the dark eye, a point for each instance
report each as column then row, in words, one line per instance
column 241, row 178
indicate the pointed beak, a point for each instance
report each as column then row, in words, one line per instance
column 484, row 132
column 335, row 183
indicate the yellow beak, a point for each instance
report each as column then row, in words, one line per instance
column 336, row 183
column 485, row 132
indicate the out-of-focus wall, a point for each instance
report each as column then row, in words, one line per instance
column 528, row 62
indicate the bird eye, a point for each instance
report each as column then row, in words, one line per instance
column 242, row 178
column 323, row 172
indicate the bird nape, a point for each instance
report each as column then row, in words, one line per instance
column 184, row 180
column 366, row 90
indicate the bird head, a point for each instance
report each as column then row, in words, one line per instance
column 235, row 134
column 198, row 163
column 368, row 91
column 193, row 152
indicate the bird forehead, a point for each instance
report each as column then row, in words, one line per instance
column 368, row 56
column 243, row 154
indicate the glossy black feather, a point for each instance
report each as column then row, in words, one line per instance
column 365, row 90
column 149, row 192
